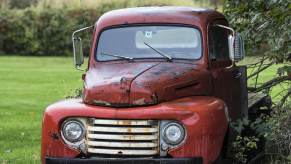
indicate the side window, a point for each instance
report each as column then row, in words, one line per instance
column 218, row 43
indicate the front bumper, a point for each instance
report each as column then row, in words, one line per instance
column 196, row 160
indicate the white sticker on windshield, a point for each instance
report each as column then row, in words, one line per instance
column 148, row 34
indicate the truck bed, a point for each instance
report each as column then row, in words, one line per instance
column 255, row 98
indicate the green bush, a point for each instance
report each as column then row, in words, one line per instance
column 17, row 4
column 41, row 33
column 46, row 28
column 268, row 134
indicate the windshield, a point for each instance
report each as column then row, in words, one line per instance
column 176, row 42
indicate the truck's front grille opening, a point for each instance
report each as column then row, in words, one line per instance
column 123, row 138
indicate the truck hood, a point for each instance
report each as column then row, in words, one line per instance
column 143, row 83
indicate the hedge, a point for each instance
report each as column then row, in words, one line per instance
column 41, row 33
column 47, row 31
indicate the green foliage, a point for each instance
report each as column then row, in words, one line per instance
column 93, row 4
column 77, row 93
column 268, row 133
column 46, row 28
column 249, row 139
column 17, row 4
column 242, row 146
column 47, row 32
column 278, row 147
column 265, row 25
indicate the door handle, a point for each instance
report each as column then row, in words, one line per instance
column 237, row 75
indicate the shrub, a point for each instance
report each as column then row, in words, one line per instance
column 46, row 28
column 269, row 134
column 41, row 33
column 17, row 4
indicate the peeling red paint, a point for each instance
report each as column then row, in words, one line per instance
column 54, row 135
column 144, row 83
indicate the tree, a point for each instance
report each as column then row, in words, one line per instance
column 265, row 25
column 17, row 4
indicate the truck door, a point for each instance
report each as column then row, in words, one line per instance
column 229, row 80
column 236, row 97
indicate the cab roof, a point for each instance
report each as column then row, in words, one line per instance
column 165, row 14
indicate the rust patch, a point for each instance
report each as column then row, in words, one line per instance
column 101, row 102
column 154, row 98
column 54, row 136
column 124, row 122
column 139, row 101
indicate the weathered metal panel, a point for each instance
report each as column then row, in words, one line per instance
column 254, row 98
column 144, row 83
column 203, row 117
column 148, row 82
column 109, row 84
column 111, row 135
column 122, row 151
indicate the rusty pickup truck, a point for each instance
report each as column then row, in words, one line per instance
column 161, row 86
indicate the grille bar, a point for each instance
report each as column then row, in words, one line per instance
column 123, row 144
column 123, row 137
column 122, row 152
column 122, row 122
column 122, row 129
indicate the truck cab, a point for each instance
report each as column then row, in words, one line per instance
column 161, row 86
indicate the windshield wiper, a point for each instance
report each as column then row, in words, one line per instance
column 118, row 56
column 169, row 58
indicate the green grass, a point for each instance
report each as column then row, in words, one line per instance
column 27, row 86
column 276, row 92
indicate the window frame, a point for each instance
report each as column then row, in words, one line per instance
column 214, row 62
column 149, row 24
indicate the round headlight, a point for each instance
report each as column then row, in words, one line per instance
column 73, row 130
column 173, row 133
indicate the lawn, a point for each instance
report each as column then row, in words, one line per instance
column 27, row 86
column 276, row 92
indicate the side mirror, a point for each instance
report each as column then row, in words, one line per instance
column 236, row 47
column 78, row 47
column 78, row 51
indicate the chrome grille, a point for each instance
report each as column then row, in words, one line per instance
column 123, row 137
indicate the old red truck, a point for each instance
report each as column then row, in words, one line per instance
column 161, row 87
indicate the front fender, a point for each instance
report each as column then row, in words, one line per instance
column 204, row 118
